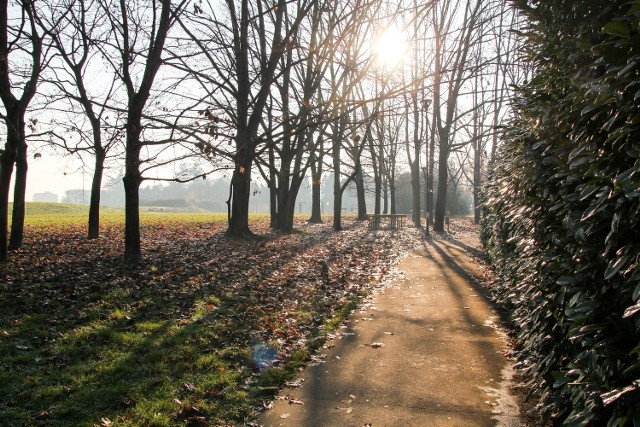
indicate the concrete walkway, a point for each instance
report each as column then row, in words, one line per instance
column 437, row 358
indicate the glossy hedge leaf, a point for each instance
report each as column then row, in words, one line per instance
column 631, row 311
column 613, row 395
column 615, row 266
column 617, row 28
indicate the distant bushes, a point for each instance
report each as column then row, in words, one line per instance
column 173, row 203
column 562, row 211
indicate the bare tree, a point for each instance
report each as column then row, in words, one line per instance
column 299, row 115
column 135, row 50
column 452, row 49
column 333, row 32
column 19, row 39
column 350, row 64
column 243, row 43
column 74, row 27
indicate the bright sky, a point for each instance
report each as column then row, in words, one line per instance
column 390, row 47
column 47, row 174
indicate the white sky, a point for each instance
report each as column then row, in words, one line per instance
column 47, row 174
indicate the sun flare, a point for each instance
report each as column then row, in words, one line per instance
column 390, row 48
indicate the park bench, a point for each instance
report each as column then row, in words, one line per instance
column 393, row 221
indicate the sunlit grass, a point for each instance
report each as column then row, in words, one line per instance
column 136, row 372
column 57, row 214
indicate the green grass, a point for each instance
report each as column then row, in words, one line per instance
column 121, row 368
column 40, row 214
column 39, row 208
column 48, row 214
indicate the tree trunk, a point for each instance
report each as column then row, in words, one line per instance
column 385, row 195
column 7, row 159
column 415, row 190
column 337, row 191
column 415, row 165
column 316, row 199
column 19, row 191
column 273, row 206
column 425, row 175
column 94, row 204
column 132, row 180
column 360, row 191
column 273, row 190
column 136, row 101
column 430, row 175
column 282, row 222
column 241, row 182
column 296, row 183
column 337, row 203
column 443, row 176
column 377, row 180
column 477, row 164
column 392, row 192
column 378, row 194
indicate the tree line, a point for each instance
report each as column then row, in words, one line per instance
column 286, row 91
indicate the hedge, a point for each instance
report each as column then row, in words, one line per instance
column 561, row 220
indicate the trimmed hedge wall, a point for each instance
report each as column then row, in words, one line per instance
column 561, row 217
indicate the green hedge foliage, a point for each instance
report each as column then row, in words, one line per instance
column 562, row 211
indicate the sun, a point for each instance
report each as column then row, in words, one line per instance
column 390, row 48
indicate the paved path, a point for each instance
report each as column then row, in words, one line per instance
column 441, row 363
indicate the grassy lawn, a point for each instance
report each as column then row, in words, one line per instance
column 202, row 332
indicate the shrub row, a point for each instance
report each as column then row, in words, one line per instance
column 562, row 211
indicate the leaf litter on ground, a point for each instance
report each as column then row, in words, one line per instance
column 202, row 319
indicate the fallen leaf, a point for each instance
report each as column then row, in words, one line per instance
column 268, row 405
column 294, row 384
column 42, row 414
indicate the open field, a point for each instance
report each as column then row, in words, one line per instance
column 199, row 333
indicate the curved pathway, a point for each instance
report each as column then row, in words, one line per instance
column 426, row 352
